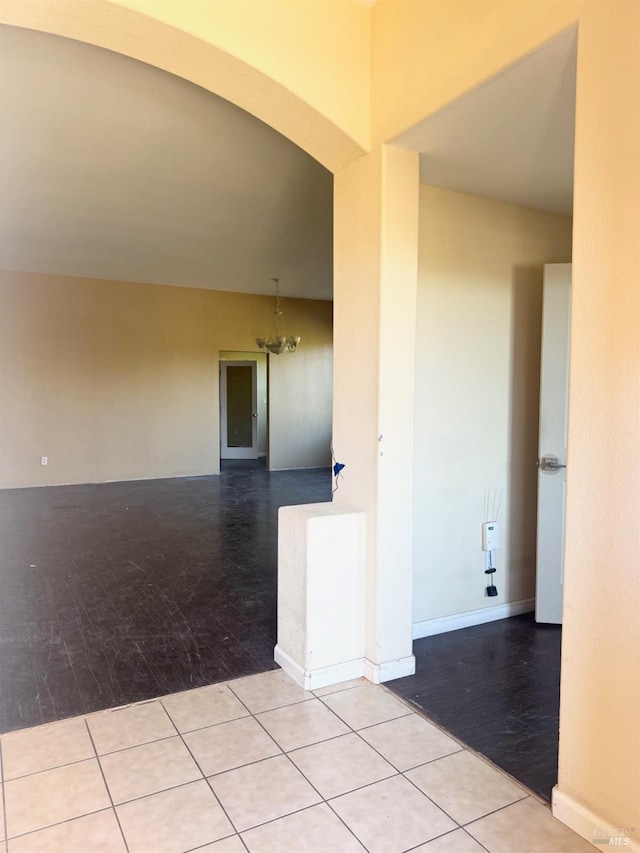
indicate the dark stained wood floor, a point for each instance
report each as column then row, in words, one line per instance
column 119, row 592
column 495, row 687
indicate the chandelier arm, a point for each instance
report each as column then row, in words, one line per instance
column 278, row 343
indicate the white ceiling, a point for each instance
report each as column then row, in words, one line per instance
column 512, row 138
column 113, row 169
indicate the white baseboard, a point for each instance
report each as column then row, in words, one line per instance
column 304, row 468
column 329, row 675
column 471, row 617
column 588, row 825
column 317, row 678
column 387, row 671
column 120, row 480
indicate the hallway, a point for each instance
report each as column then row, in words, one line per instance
column 121, row 592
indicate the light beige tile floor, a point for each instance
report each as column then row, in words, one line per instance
column 260, row 765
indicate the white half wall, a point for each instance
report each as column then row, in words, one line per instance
column 321, row 579
column 477, row 392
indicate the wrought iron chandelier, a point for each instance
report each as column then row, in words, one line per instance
column 278, row 343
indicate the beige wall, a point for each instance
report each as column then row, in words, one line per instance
column 477, row 392
column 117, row 381
column 300, row 392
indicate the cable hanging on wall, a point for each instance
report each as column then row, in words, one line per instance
column 491, row 535
column 337, row 470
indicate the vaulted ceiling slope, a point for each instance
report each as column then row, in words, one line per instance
column 512, row 138
column 113, row 169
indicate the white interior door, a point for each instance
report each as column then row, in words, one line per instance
column 552, row 442
column 238, row 410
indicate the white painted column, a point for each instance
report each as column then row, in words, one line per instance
column 376, row 249
column 320, row 594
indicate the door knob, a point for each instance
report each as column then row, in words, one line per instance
column 550, row 463
column 254, row 414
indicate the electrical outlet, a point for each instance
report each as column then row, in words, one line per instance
column 44, row 460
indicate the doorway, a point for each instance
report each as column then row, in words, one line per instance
column 552, row 447
column 491, row 218
column 243, row 405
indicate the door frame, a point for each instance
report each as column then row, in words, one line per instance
column 553, row 442
column 227, row 452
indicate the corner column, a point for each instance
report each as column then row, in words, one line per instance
column 376, row 200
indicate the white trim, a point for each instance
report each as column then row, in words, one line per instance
column 329, row 675
column 472, row 617
column 387, row 671
column 583, row 821
column 305, row 468
column 102, row 482
column 317, row 678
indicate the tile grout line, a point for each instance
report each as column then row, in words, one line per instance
column 406, row 713
column 418, row 712
column 277, row 707
column 484, row 847
column 133, row 746
column 450, row 816
column 112, row 752
column 444, row 835
column 115, row 813
column 322, row 799
column 49, row 769
column 212, row 726
column 205, row 779
column 495, row 811
column 407, row 769
column 153, row 793
column 435, row 838
column 295, row 812
column 422, row 714
column 282, row 752
column 4, row 803
column 333, row 811
column 410, row 711
column 397, row 772
column 377, row 751
column 343, row 690
column 59, row 823
column 401, row 772
column 208, row 843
